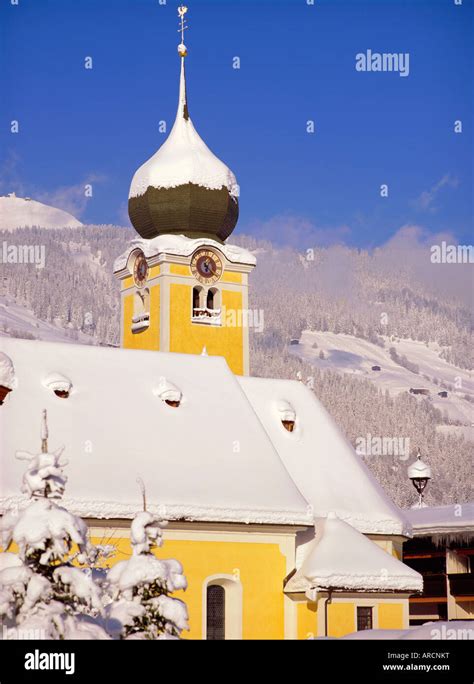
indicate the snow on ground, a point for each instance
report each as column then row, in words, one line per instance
column 17, row 321
column 432, row 631
column 18, row 212
column 355, row 356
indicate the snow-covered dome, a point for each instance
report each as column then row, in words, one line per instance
column 418, row 470
column 184, row 188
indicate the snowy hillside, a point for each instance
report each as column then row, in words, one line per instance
column 75, row 293
column 18, row 321
column 18, row 212
column 348, row 354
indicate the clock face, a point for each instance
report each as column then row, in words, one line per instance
column 206, row 266
column 140, row 270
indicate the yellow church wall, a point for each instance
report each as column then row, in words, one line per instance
column 307, row 618
column 231, row 277
column 190, row 338
column 180, row 269
column 146, row 339
column 390, row 616
column 341, row 618
column 258, row 566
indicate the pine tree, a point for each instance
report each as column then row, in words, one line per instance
column 41, row 592
column 140, row 587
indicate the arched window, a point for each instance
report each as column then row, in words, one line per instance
column 198, row 306
column 141, row 310
column 206, row 305
column 215, row 612
column 222, row 607
column 196, row 297
column 210, row 298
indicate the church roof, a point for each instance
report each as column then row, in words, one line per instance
column 324, row 466
column 342, row 558
column 222, row 454
column 207, row 459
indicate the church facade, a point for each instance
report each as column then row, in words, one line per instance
column 281, row 529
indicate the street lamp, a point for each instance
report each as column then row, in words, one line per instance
column 419, row 473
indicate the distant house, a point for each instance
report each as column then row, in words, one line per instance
column 443, row 394
column 419, row 390
column 294, row 340
column 376, row 368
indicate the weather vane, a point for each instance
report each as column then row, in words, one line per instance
column 182, row 9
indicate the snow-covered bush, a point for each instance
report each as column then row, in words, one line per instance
column 140, row 587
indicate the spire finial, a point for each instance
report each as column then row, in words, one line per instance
column 182, row 9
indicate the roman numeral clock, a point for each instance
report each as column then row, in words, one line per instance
column 206, row 266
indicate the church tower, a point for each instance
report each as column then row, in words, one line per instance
column 183, row 289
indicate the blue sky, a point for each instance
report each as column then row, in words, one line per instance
column 297, row 64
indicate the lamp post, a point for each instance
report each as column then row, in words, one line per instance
column 419, row 473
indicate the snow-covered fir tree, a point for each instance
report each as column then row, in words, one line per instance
column 45, row 590
column 140, row 587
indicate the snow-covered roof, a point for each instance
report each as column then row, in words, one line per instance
column 323, row 464
column 439, row 520
column 18, row 212
column 180, row 245
column 197, row 461
column 183, row 158
column 342, row 558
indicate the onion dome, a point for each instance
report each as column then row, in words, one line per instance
column 184, row 188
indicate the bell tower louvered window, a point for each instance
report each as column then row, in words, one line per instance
column 215, row 612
